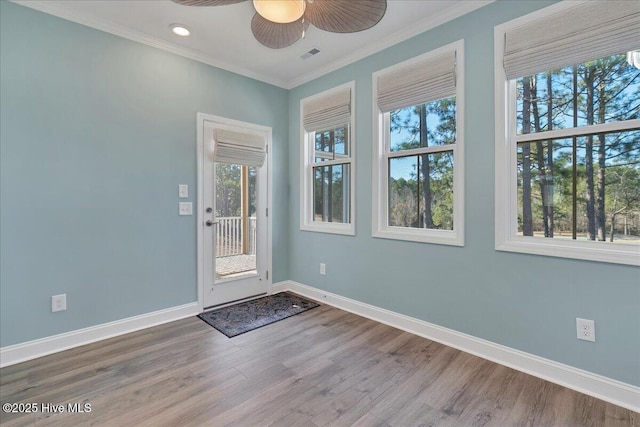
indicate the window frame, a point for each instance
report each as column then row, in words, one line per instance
column 308, row 163
column 506, row 147
column 382, row 154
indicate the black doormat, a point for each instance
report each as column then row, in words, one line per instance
column 247, row 316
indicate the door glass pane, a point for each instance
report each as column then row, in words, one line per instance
column 235, row 233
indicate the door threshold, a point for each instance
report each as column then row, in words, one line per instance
column 215, row 307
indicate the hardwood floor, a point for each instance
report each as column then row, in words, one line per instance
column 324, row 367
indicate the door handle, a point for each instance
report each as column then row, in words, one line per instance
column 209, row 223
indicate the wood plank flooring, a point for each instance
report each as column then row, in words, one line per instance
column 324, row 367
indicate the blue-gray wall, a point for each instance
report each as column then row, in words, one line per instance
column 522, row 301
column 96, row 134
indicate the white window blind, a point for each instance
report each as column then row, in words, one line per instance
column 418, row 83
column 239, row 148
column 585, row 32
column 328, row 111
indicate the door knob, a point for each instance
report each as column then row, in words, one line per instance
column 209, row 223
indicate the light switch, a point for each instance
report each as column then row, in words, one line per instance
column 183, row 191
column 185, row 208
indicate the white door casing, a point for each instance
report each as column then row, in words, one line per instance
column 212, row 292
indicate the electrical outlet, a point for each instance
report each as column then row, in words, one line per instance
column 59, row 302
column 586, row 329
column 323, row 269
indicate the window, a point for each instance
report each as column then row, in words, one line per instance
column 327, row 162
column 418, row 158
column 568, row 133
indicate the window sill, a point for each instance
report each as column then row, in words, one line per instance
column 582, row 250
column 331, row 228
column 439, row 237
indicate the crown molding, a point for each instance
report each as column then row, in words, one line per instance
column 449, row 14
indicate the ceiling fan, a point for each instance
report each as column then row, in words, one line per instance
column 280, row 23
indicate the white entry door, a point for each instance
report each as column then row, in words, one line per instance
column 232, row 216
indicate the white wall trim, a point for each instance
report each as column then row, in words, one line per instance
column 10, row 355
column 598, row 386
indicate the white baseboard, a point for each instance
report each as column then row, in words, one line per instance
column 607, row 389
column 17, row 353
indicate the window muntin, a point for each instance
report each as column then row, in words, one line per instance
column 584, row 186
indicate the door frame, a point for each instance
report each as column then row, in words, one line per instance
column 200, row 220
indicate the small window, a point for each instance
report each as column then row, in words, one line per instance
column 568, row 153
column 418, row 162
column 327, row 167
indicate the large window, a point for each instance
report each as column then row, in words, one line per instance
column 327, row 163
column 418, row 182
column 568, row 137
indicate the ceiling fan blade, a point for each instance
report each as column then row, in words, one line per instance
column 277, row 36
column 345, row 16
column 206, row 2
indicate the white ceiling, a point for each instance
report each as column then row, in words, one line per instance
column 221, row 35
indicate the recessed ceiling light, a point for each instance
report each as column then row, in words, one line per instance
column 180, row 30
